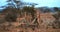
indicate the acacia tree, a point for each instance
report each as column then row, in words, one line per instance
column 14, row 8
column 11, row 11
column 56, row 9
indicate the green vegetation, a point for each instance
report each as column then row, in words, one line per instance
column 29, row 10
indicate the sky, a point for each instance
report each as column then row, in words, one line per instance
column 41, row 3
